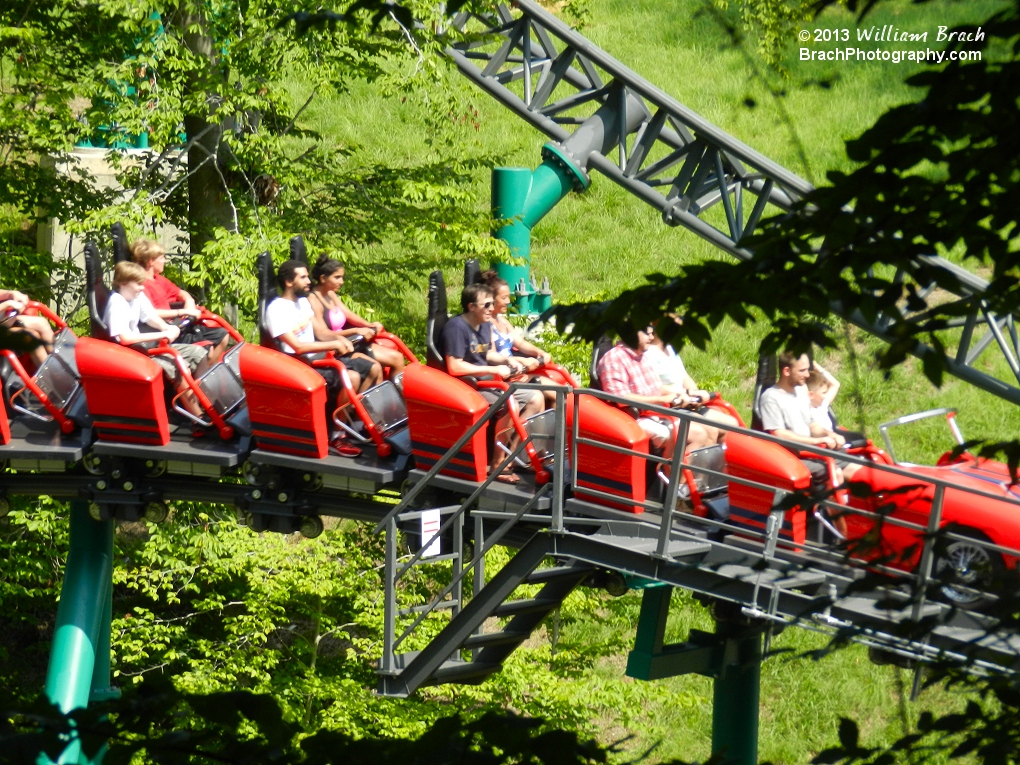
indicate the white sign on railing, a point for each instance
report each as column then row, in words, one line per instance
column 430, row 522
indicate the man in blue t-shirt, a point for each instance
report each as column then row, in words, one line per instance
column 467, row 346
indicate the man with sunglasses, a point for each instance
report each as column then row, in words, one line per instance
column 469, row 351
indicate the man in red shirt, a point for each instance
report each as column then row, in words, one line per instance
column 161, row 292
column 624, row 371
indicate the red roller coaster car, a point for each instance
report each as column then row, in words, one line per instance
column 887, row 515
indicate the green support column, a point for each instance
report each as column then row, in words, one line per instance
column 735, row 696
column 80, row 654
column 731, row 657
column 522, row 197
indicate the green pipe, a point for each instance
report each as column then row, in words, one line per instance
column 84, row 606
column 522, row 197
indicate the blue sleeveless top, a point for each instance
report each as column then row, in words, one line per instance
column 502, row 344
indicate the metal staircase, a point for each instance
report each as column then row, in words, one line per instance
column 443, row 661
column 676, row 161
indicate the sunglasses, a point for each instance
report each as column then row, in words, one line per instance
column 486, row 304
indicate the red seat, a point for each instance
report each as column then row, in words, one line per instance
column 124, row 390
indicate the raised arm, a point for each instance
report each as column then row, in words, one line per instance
column 832, row 386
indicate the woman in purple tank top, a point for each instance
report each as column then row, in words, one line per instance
column 333, row 319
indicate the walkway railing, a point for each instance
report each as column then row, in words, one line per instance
column 669, row 522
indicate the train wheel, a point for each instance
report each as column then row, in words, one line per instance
column 154, row 468
column 311, row 526
column 968, row 570
column 94, row 464
column 257, row 522
column 260, row 475
column 156, row 512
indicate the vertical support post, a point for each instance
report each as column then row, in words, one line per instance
column 479, row 579
column 510, row 187
column 735, row 698
column 559, row 459
column 80, row 654
column 458, row 567
column 102, row 687
column 731, row 656
column 669, row 501
column 388, row 663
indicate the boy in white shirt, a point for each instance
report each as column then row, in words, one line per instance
column 127, row 307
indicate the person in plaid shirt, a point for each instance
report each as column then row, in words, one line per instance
column 625, row 371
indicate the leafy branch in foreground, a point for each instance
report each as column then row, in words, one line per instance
column 244, row 727
column 939, row 176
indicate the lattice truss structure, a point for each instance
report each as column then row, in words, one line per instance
column 601, row 115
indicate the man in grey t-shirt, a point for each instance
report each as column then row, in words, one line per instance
column 786, row 411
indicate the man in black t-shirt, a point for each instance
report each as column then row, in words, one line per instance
column 467, row 345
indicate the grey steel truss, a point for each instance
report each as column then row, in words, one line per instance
column 667, row 155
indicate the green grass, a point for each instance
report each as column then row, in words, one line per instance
column 595, row 244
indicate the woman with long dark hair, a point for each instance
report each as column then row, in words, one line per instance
column 333, row 319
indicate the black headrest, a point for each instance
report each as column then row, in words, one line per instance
column 96, row 292
column 298, row 251
column 438, row 316
column 765, row 378
column 121, row 248
column 472, row 272
column 598, row 350
column 267, row 293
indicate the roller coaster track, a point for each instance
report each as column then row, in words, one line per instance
column 676, row 161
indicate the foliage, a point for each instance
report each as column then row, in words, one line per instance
column 985, row 729
column 232, row 163
column 241, row 727
column 939, row 175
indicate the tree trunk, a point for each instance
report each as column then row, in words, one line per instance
column 209, row 202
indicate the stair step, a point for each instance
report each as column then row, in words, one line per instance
column 443, row 605
column 528, row 606
column 677, row 548
column 494, row 638
column 463, row 673
column 550, row 574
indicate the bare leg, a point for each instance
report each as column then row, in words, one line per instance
column 40, row 329
column 216, row 352
column 716, row 416
column 504, row 424
column 389, row 357
column 188, row 398
column 699, row 436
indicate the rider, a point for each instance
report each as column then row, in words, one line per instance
column 12, row 306
column 161, row 292
column 289, row 321
column 468, row 348
column 786, row 413
column 333, row 319
column 128, row 307
column 508, row 341
column 675, row 378
column 626, row 370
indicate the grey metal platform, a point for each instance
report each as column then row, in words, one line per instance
column 497, row 496
column 37, row 445
column 364, row 473
column 183, row 451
